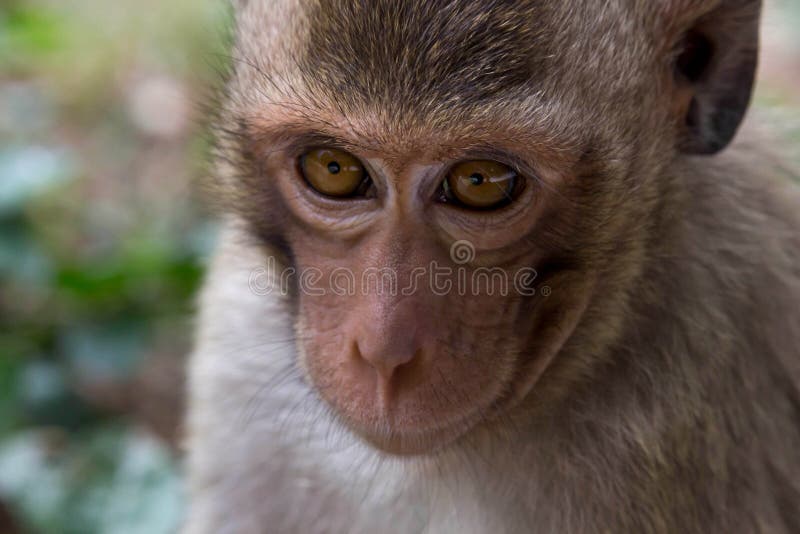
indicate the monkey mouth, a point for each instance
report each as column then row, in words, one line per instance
column 411, row 443
column 412, row 440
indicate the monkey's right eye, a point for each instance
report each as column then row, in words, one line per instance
column 334, row 173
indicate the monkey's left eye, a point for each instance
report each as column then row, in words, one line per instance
column 480, row 185
column 334, row 173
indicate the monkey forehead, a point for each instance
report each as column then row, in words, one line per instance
column 436, row 63
column 408, row 54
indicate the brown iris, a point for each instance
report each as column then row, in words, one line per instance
column 481, row 184
column 333, row 172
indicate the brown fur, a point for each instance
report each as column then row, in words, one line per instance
column 656, row 390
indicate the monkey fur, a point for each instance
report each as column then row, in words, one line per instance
column 656, row 388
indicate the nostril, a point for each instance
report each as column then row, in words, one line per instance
column 385, row 358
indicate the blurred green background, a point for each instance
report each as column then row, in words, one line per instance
column 102, row 240
column 102, row 244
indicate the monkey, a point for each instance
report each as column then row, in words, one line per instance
column 641, row 375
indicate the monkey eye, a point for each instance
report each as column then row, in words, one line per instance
column 480, row 185
column 334, row 173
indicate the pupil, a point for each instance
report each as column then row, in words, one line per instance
column 333, row 167
column 476, row 179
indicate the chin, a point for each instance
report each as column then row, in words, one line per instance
column 411, row 440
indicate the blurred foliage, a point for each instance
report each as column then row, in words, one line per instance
column 108, row 479
column 101, row 251
column 102, row 244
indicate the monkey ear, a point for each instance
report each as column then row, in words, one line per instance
column 718, row 62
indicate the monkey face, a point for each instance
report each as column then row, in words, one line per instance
column 406, row 340
column 454, row 190
column 416, row 283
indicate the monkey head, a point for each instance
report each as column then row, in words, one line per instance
column 463, row 192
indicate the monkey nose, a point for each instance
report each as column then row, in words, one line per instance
column 385, row 358
column 389, row 344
